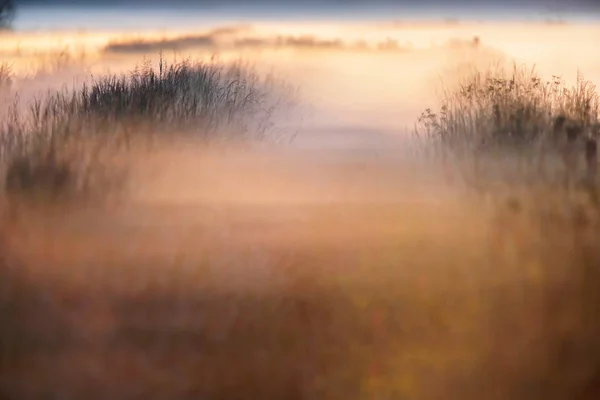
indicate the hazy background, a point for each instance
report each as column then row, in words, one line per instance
column 364, row 71
column 370, row 65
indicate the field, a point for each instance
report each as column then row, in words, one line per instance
column 166, row 233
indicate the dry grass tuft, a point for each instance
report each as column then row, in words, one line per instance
column 513, row 109
column 206, row 101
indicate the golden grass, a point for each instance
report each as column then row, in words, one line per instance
column 358, row 303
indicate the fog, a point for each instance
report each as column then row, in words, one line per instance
column 350, row 205
column 377, row 75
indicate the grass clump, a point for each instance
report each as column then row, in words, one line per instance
column 205, row 100
column 508, row 109
column 202, row 97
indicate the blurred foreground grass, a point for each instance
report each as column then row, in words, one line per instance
column 365, row 302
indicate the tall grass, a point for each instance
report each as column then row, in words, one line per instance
column 202, row 98
column 509, row 126
column 210, row 101
column 500, row 108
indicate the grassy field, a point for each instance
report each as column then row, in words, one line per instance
column 490, row 292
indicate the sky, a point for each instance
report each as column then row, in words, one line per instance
column 146, row 14
column 465, row 7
